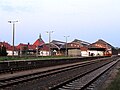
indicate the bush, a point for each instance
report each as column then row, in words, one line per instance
column 3, row 51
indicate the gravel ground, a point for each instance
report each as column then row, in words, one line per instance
column 112, row 75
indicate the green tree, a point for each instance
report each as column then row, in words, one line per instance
column 0, row 51
column 3, row 51
column 24, row 50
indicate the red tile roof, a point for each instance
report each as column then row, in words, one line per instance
column 31, row 47
column 38, row 42
column 45, row 47
column 21, row 45
column 8, row 46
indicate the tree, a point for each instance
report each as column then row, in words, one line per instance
column 3, row 51
column 24, row 50
column 0, row 51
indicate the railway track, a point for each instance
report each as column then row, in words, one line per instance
column 84, row 82
column 60, row 78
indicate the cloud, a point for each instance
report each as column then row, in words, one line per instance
column 18, row 6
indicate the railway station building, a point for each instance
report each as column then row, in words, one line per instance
column 83, row 47
column 9, row 48
column 101, row 48
column 59, row 48
column 38, row 48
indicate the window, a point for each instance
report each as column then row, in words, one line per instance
column 71, row 44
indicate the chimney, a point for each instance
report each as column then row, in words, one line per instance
column 28, row 43
column 40, row 38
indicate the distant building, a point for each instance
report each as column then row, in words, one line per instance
column 84, row 51
column 82, row 43
column 26, row 49
column 59, row 48
column 73, row 49
column 38, row 48
column 38, row 42
column 101, row 48
column 83, row 47
column 9, row 48
column 41, row 48
column 56, row 48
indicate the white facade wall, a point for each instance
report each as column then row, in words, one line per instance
column 96, row 53
column 84, row 53
column 10, row 53
column 44, row 53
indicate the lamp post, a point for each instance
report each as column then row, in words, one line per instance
column 66, row 53
column 49, row 33
column 37, row 51
column 13, row 48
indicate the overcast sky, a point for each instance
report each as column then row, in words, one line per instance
column 87, row 20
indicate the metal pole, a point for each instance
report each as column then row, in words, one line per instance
column 66, row 46
column 13, row 39
column 49, row 43
column 49, row 33
column 37, row 51
column 66, row 51
column 13, row 48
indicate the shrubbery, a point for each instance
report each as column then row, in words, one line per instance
column 3, row 51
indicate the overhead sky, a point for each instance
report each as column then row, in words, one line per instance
column 87, row 20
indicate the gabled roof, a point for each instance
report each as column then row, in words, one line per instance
column 39, row 41
column 101, row 43
column 44, row 47
column 58, row 42
column 30, row 47
column 7, row 45
column 82, row 43
column 21, row 45
column 62, row 45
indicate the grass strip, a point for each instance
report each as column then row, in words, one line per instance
column 115, row 84
column 33, row 58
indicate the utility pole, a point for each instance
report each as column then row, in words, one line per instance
column 13, row 48
column 66, row 51
column 49, row 33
